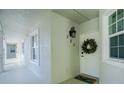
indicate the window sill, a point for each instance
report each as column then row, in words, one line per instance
column 35, row 62
column 115, row 62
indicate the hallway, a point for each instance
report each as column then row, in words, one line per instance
column 20, row 75
column 58, row 45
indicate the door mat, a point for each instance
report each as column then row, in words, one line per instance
column 87, row 78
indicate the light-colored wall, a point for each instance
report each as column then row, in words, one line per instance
column 43, row 71
column 1, row 49
column 90, row 26
column 89, row 64
column 110, row 72
column 65, row 57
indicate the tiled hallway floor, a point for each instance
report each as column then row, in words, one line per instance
column 20, row 75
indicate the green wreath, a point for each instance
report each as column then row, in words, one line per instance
column 89, row 46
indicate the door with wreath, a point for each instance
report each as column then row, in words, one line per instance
column 89, row 62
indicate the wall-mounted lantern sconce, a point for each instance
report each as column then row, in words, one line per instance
column 72, row 32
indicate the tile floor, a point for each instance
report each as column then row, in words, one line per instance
column 21, row 75
column 15, row 74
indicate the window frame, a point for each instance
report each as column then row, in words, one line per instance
column 34, row 33
column 34, row 46
column 117, row 33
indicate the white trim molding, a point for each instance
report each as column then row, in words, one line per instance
column 105, row 40
column 35, row 31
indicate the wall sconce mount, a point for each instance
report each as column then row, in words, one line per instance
column 72, row 32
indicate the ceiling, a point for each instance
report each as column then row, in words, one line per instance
column 78, row 15
column 18, row 22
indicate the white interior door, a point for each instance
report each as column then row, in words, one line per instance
column 1, row 49
column 89, row 63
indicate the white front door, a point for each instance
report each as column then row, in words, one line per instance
column 1, row 49
column 89, row 63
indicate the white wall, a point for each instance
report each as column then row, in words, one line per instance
column 89, row 64
column 65, row 57
column 1, row 49
column 110, row 72
column 43, row 71
column 90, row 26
